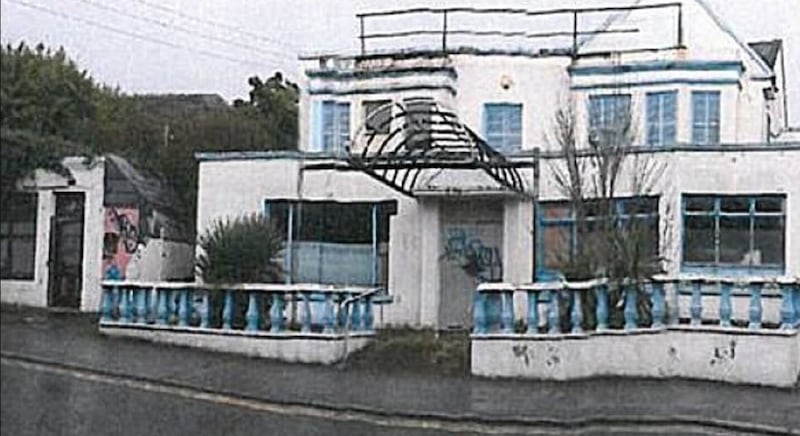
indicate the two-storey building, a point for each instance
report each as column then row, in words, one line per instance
column 428, row 166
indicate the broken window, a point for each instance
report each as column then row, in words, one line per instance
column 332, row 242
column 18, row 237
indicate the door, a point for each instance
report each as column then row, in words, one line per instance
column 66, row 251
column 471, row 252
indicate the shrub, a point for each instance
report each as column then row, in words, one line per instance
column 245, row 250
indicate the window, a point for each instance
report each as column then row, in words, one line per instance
column 661, row 108
column 18, row 237
column 734, row 231
column 334, row 242
column 503, row 126
column 377, row 116
column 335, row 125
column 559, row 235
column 705, row 117
column 420, row 122
column 609, row 116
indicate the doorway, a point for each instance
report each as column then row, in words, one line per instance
column 66, row 251
column 471, row 252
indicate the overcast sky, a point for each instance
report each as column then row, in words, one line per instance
column 213, row 46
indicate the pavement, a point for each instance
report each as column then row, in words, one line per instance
column 61, row 346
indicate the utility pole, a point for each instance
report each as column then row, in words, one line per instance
column 166, row 135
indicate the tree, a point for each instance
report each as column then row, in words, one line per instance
column 591, row 178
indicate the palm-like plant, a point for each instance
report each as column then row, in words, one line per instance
column 245, row 250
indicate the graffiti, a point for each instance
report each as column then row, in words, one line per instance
column 521, row 351
column 724, row 354
column 553, row 358
column 478, row 260
column 120, row 241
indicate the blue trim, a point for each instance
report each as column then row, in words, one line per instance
column 618, row 85
column 657, row 66
column 398, row 72
column 383, row 90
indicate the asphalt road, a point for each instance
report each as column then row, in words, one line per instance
column 43, row 403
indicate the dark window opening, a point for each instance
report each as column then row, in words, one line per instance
column 18, row 237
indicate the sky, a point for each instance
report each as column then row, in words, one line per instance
column 213, row 46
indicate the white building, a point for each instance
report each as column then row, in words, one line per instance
column 63, row 233
column 708, row 108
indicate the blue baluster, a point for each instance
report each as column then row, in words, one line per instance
column 369, row 318
column 253, row 314
column 787, row 306
column 124, row 305
column 533, row 311
column 141, row 305
column 205, row 312
column 797, row 302
column 327, row 317
column 675, row 307
column 725, row 307
column 696, row 308
column 107, row 306
column 306, row 327
column 479, row 313
column 184, row 311
column 630, row 310
column 755, row 305
column 163, row 306
column 658, row 304
column 507, row 314
column 553, row 321
column 227, row 310
column 276, row 313
column 152, row 304
column 355, row 318
column 343, row 310
column 602, row 306
column 577, row 312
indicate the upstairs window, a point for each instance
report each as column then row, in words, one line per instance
column 18, row 237
column 661, row 108
column 503, row 126
column 335, row 125
column 609, row 116
column 705, row 117
column 739, row 232
column 377, row 116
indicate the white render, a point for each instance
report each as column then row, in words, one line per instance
column 732, row 355
column 288, row 347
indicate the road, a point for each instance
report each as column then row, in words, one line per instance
column 51, row 401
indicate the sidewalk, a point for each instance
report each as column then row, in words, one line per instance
column 72, row 339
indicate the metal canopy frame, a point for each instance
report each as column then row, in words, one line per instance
column 423, row 135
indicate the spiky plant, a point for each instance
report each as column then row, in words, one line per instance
column 245, row 250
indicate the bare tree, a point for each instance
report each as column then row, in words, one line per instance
column 622, row 246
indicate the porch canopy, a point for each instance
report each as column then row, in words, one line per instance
column 407, row 145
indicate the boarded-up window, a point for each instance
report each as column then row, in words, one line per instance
column 18, row 237
column 378, row 115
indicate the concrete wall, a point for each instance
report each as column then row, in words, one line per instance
column 730, row 355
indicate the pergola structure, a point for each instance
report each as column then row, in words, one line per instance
column 400, row 140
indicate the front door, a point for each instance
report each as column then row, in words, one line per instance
column 66, row 251
column 471, row 252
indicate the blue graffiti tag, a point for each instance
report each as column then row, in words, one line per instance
column 470, row 253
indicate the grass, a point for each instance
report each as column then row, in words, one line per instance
column 415, row 351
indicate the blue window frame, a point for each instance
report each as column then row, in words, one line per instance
column 608, row 113
column 557, row 230
column 335, row 126
column 661, row 109
column 503, row 126
column 705, row 117
column 734, row 233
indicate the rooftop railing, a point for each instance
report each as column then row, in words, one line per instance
column 447, row 29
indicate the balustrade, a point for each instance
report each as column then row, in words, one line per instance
column 569, row 299
column 250, row 308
